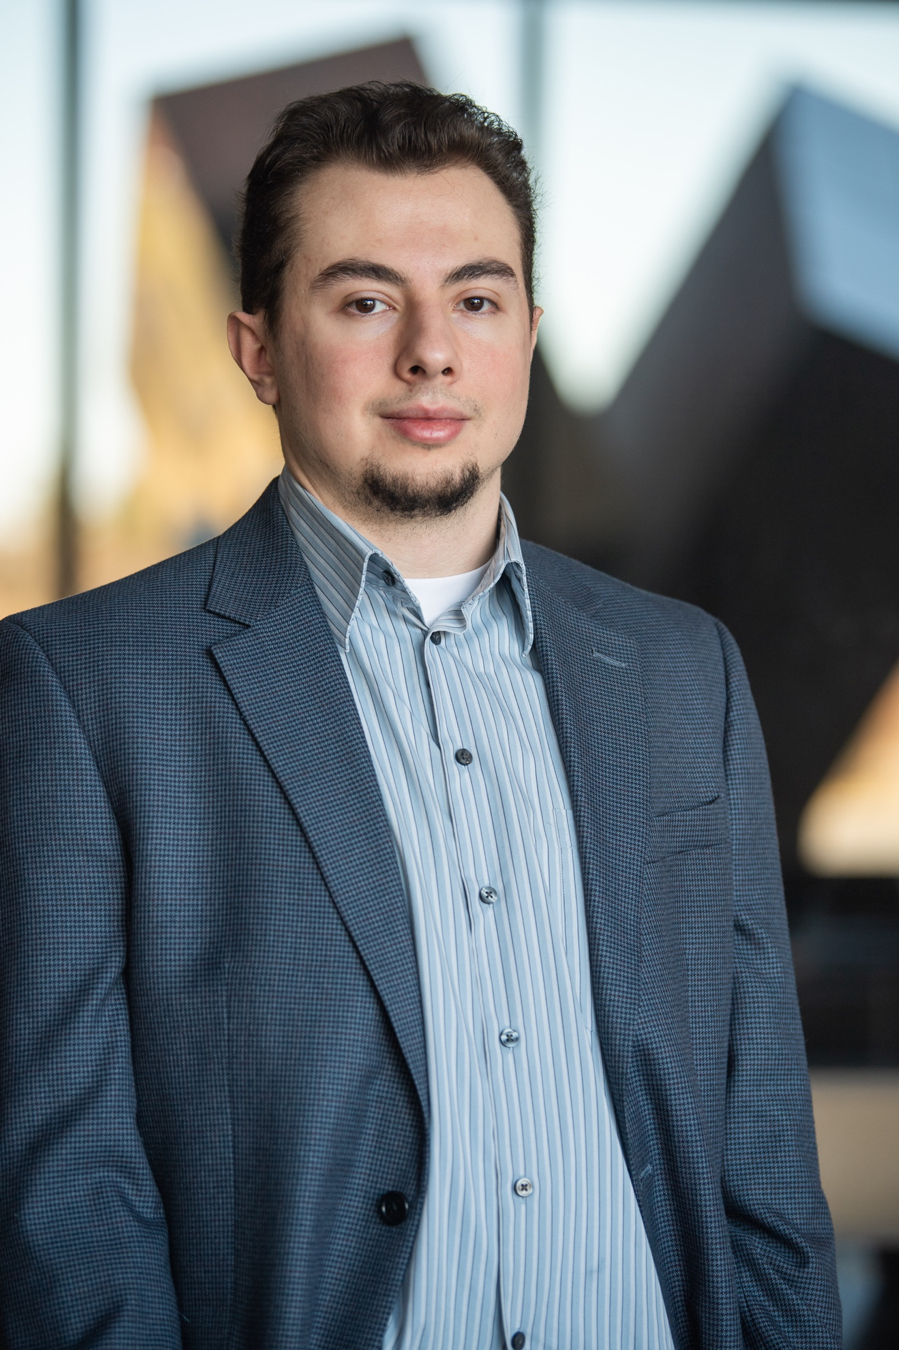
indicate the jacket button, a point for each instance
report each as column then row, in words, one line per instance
column 393, row 1208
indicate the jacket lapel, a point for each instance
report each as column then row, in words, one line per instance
column 286, row 677
column 594, row 686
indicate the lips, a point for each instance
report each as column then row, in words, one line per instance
column 427, row 426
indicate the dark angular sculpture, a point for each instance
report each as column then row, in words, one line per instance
column 221, row 127
column 756, row 439
column 561, row 487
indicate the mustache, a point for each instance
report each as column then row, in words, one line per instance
column 390, row 407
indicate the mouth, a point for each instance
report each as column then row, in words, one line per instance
column 426, row 425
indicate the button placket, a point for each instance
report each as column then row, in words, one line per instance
column 450, row 734
column 521, row 1213
column 458, row 758
column 501, row 1045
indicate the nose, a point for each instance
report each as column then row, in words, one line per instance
column 428, row 349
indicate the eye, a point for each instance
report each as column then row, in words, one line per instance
column 477, row 304
column 366, row 304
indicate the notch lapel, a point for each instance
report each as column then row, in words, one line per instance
column 286, row 677
column 593, row 682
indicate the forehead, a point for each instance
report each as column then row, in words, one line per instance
column 446, row 217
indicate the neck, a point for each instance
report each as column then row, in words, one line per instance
column 443, row 546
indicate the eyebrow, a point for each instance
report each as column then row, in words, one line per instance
column 476, row 271
column 361, row 269
column 358, row 269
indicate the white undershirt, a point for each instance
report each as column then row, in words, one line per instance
column 436, row 595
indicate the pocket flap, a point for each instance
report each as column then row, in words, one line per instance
column 678, row 831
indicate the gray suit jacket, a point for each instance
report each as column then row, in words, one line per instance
column 212, row 1065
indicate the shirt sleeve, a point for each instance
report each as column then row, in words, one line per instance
column 83, row 1241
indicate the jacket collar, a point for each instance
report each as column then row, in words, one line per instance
column 257, row 563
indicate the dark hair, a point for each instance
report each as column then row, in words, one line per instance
column 394, row 128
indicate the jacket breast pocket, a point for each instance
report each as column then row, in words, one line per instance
column 680, row 831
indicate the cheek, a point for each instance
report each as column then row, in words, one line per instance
column 342, row 375
column 502, row 374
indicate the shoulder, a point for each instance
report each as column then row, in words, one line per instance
column 652, row 665
column 169, row 593
column 166, row 604
column 678, row 654
column 118, row 652
column 647, row 618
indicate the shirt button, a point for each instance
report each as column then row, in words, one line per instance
column 464, row 756
column 393, row 1208
column 524, row 1187
column 389, row 579
column 436, row 638
column 488, row 895
column 509, row 1036
column 518, row 1341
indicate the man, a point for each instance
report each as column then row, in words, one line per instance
column 394, row 952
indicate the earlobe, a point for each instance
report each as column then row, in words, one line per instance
column 536, row 316
column 535, row 323
column 248, row 341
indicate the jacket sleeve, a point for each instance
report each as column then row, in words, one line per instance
column 780, row 1229
column 83, row 1242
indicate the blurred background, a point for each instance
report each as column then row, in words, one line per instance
column 715, row 403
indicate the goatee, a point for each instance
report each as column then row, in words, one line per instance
column 399, row 495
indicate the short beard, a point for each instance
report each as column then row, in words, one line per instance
column 398, row 495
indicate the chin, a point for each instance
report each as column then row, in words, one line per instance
column 428, row 494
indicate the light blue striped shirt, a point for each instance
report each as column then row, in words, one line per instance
column 530, row 1227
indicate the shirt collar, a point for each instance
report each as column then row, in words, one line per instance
column 341, row 560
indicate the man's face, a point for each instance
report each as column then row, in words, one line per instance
column 401, row 360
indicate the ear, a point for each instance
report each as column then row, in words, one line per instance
column 535, row 323
column 249, row 343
